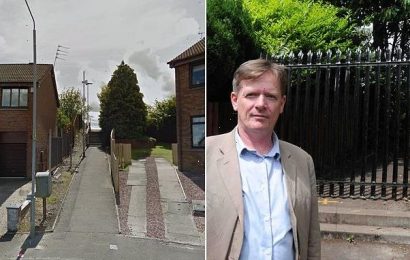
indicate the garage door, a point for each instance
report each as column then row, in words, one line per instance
column 13, row 155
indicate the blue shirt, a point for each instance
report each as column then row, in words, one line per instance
column 267, row 224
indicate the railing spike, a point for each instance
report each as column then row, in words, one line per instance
column 359, row 55
column 319, row 56
column 378, row 54
column 309, row 57
column 338, row 53
column 388, row 55
column 368, row 53
column 399, row 54
column 300, row 57
column 328, row 56
column 348, row 56
column 291, row 57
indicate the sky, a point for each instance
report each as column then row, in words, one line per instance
column 98, row 35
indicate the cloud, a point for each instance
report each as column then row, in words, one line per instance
column 168, row 84
column 145, row 33
column 146, row 61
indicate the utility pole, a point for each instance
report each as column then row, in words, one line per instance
column 82, row 114
column 34, row 135
column 85, row 83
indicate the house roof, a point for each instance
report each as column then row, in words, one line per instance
column 22, row 73
column 198, row 49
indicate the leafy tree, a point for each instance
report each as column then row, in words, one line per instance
column 281, row 27
column 390, row 20
column 122, row 106
column 70, row 107
column 162, row 120
column 230, row 42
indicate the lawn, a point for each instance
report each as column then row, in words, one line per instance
column 162, row 150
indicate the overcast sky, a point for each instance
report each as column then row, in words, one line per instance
column 146, row 34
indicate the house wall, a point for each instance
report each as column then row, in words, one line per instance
column 46, row 119
column 190, row 102
column 20, row 120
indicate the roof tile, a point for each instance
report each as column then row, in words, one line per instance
column 195, row 50
column 22, row 72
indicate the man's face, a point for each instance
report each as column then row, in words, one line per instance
column 259, row 103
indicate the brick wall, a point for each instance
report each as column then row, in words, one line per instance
column 46, row 119
column 190, row 102
column 20, row 120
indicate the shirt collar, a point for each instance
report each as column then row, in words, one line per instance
column 273, row 152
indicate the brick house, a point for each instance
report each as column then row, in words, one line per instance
column 190, row 101
column 16, row 114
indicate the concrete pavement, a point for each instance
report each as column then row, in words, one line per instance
column 341, row 249
column 12, row 192
column 365, row 219
column 88, row 226
column 137, row 212
column 177, row 212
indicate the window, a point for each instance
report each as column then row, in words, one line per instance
column 198, row 75
column 198, row 131
column 14, row 97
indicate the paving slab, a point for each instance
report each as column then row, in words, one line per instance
column 136, row 173
column 12, row 192
column 179, row 223
column 91, row 202
column 367, row 233
column 342, row 249
column 137, row 213
column 368, row 217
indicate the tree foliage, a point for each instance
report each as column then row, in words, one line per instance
column 162, row 120
column 122, row 106
column 389, row 19
column 288, row 26
column 70, row 107
column 230, row 42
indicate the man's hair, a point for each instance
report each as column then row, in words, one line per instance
column 253, row 69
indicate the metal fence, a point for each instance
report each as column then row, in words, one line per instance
column 60, row 148
column 351, row 112
column 114, row 167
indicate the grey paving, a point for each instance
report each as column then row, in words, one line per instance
column 88, row 226
column 137, row 213
column 179, row 224
column 367, row 220
column 90, row 205
column 12, row 192
column 364, row 250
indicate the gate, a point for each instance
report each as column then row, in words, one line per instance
column 351, row 112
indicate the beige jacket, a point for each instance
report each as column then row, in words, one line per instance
column 224, row 204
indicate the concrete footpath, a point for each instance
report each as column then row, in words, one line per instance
column 365, row 219
column 88, row 225
column 177, row 212
column 12, row 192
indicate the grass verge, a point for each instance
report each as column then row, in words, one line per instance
column 59, row 189
column 163, row 150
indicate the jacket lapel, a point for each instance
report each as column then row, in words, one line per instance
column 228, row 165
column 290, row 172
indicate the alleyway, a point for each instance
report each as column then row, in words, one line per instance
column 88, row 225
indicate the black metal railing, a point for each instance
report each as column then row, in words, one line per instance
column 351, row 112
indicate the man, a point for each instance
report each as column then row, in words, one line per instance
column 261, row 192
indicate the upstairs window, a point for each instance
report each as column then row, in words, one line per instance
column 198, row 75
column 14, row 97
column 198, row 131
